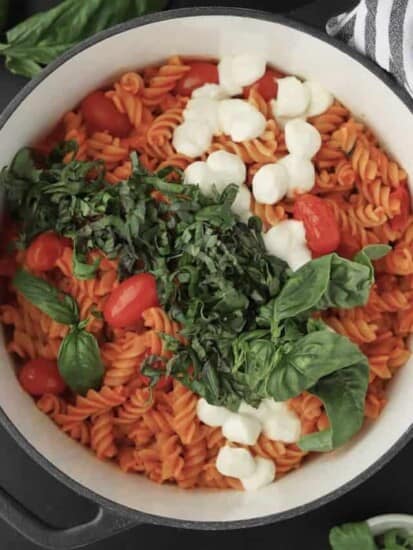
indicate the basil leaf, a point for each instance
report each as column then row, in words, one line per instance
column 352, row 536
column 310, row 358
column 60, row 307
column 329, row 281
column 83, row 270
column 79, row 361
column 342, row 393
column 44, row 36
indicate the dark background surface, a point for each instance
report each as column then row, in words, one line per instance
column 389, row 491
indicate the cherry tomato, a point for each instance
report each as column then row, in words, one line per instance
column 39, row 376
column 8, row 266
column 199, row 74
column 399, row 222
column 129, row 300
column 44, row 251
column 164, row 383
column 266, row 85
column 100, row 114
column 321, row 228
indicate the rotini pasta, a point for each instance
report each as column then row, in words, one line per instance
column 156, row 430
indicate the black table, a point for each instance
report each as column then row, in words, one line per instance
column 387, row 492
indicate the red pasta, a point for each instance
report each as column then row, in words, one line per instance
column 156, row 431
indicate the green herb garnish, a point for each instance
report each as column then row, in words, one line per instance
column 246, row 318
column 41, row 38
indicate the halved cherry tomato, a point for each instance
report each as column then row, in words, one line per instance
column 39, row 376
column 164, row 383
column 399, row 222
column 129, row 300
column 100, row 114
column 199, row 74
column 348, row 247
column 321, row 228
column 266, row 85
column 44, row 251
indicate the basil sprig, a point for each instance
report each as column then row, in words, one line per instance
column 78, row 359
column 357, row 535
column 39, row 39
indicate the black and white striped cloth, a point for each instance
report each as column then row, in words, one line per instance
column 382, row 30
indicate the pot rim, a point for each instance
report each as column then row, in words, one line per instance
column 7, row 422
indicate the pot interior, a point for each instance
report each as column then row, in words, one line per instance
column 293, row 51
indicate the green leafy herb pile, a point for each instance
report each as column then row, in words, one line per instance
column 357, row 536
column 246, row 317
column 40, row 39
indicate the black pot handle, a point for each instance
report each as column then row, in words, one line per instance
column 105, row 524
column 316, row 14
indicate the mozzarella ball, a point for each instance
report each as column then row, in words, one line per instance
column 211, row 415
column 192, row 139
column 240, row 120
column 302, row 138
column 270, row 183
column 242, row 203
column 247, row 68
column 242, row 429
column 227, row 167
column 293, row 97
column 301, row 174
column 235, row 462
column 263, row 475
column 320, row 98
column 203, row 109
column 226, row 77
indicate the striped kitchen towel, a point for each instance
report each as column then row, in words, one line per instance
column 382, row 30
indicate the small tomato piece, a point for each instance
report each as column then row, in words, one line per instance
column 44, row 251
column 100, row 114
column 321, row 228
column 40, row 376
column 200, row 73
column 128, row 301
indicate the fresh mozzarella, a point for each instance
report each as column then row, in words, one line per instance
column 247, row 68
column 241, row 120
column 235, row 462
column 241, row 428
column 226, row 77
column 293, row 97
column 280, row 423
column 320, row 98
column 242, row 203
column 210, row 414
column 302, row 138
column 210, row 91
column 198, row 173
column 227, row 167
column 301, row 174
column 192, row 138
column 270, row 183
column 263, row 474
column 203, row 109
column 286, row 240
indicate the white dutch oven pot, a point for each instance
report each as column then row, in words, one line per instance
column 127, row 499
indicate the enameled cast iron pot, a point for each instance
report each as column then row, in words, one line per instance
column 126, row 499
